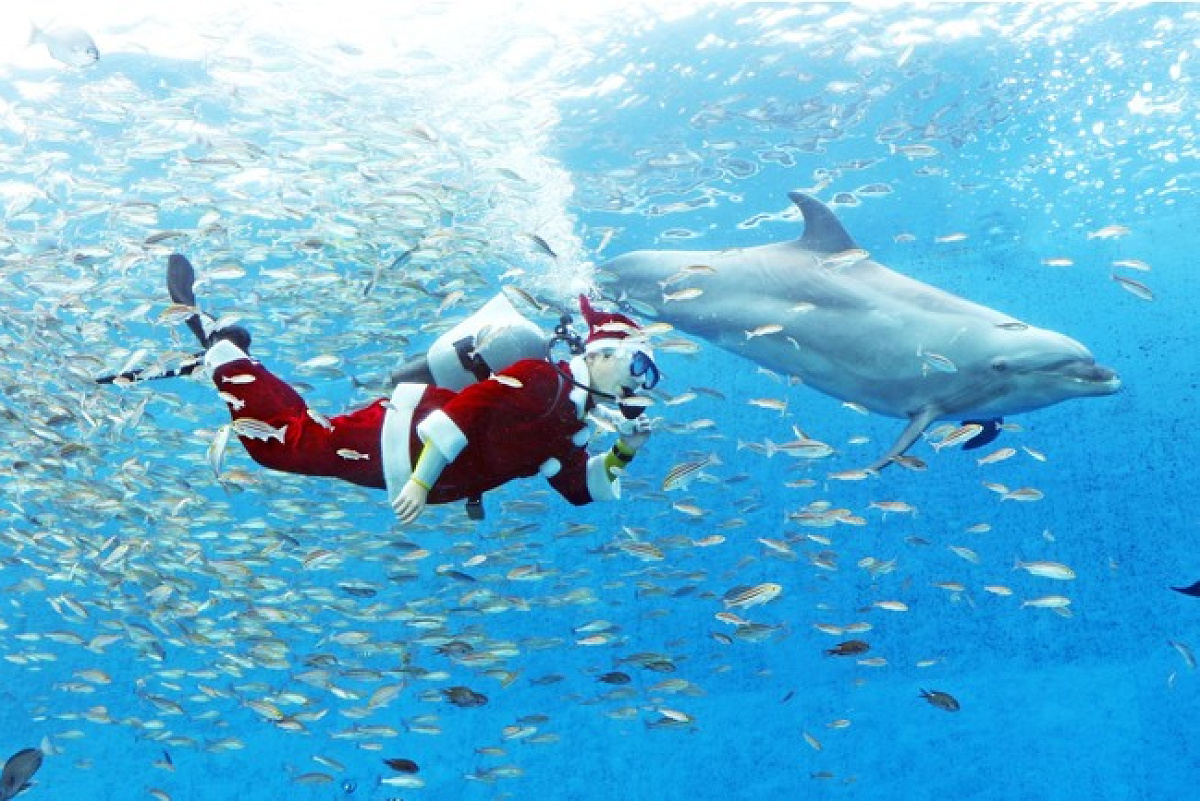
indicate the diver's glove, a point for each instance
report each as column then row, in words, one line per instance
column 411, row 501
column 638, row 426
column 613, row 420
column 626, row 447
column 634, row 434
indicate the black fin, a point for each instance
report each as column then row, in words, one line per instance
column 823, row 233
column 1193, row 590
column 991, row 430
column 180, row 279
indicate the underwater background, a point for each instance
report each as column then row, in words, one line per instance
column 351, row 181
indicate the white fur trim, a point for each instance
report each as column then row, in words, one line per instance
column 599, row 487
column 439, row 430
column 550, row 468
column 579, row 395
column 221, row 353
column 627, row 345
column 394, row 438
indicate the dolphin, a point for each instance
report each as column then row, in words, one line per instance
column 819, row 308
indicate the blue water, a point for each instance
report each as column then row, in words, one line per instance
column 1049, row 123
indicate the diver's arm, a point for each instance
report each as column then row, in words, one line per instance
column 409, row 504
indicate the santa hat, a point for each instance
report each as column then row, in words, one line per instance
column 607, row 329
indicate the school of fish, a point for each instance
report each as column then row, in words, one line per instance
column 158, row 583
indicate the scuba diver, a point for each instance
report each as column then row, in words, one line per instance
column 486, row 405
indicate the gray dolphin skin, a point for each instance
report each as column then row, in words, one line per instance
column 18, row 770
column 856, row 330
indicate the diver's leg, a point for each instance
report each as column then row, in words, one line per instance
column 345, row 447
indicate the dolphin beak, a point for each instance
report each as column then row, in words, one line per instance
column 1100, row 378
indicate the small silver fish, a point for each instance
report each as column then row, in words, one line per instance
column 72, row 46
column 543, row 245
column 215, row 455
column 231, row 400
column 507, row 380
column 1136, row 288
column 846, row 258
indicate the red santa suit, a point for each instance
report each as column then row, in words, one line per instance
column 529, row 419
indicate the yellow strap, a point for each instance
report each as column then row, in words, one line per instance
column 429, row 467
column 612, row 463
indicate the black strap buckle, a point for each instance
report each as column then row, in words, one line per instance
column 470, row 359
column 475, row 507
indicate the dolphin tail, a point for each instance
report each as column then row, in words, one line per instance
column 917, row 423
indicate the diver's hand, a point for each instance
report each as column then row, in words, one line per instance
column 635, row 434
column 410, row 502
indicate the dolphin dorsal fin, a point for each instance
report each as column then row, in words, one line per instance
column 823, row 233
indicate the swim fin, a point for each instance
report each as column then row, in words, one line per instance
column 181, row 280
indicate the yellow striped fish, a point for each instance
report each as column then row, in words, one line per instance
column 745, row 596
column 682, row 474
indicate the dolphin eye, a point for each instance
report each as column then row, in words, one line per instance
column 1000, row 366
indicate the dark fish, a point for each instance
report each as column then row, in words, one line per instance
column 357, row 590
column 848, row 648
column 941, row 700
column 454, row 648
column 458, row 575
column 1193, row 590
column 402, row 765
column 464, row 696
column 18, row 770
column 614, row 677
column 547, row 680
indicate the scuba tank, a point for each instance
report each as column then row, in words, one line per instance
column 493, row 338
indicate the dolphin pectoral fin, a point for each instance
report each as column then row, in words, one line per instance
column 823, row 232
column 1192, row 590
column 917, row 423
column 991, row 430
